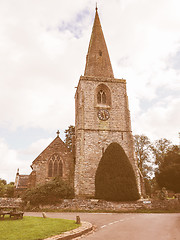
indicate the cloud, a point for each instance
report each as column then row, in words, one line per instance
column 174, row 60
column 11, row 159
column 162, row 119
column 34, row 149
column 144, row 49
column 43, row 47
column 39, row 66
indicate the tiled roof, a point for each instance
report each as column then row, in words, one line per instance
column 57, row 145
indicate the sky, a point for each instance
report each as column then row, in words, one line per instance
column 43, row 47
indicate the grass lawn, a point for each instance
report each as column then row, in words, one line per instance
column 34, row 228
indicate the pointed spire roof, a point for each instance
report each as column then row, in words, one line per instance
column 98, row 63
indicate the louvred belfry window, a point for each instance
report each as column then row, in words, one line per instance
column 101, row 97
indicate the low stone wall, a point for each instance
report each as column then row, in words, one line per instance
column 10, row 202
column 100, row 205
column 168, row 204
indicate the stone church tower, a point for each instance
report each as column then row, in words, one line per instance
column 102, row 114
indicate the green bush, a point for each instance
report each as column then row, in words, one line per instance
column 49, row 193
column 6, row 190
column 115, row 179
column 9, row 190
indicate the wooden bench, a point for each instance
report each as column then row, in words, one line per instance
column 2, row 214
column 12, row 212
column 16, row 215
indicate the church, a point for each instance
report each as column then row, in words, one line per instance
column 102, row 117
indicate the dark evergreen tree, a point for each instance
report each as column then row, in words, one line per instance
column 69, row 133
column 115, row 179
column 168, row 173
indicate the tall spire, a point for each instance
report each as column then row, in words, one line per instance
column 96, row 7
column 98, row 63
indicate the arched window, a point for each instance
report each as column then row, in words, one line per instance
column 50, row 167
column 98, row 98
column 101, row 97
column 55, row 168
column 60, row 173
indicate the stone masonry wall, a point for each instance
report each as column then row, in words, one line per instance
column 101, row 205
column 40, row 164
column 10, row 202
column 93, row 135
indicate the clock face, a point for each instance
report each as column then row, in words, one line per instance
column 103, row 114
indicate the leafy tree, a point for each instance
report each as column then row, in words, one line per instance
column 6, row 190
column 153, row 185
column 9, row 190
column 147, row 184
column 115, row 179
column 3, row 181
column 69, row 133
column 143, row 151
column 160, row 148
column 168, row 173
column 2, row 188
column 48, row 193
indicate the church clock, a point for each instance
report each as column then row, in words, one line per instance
column 103, row 114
